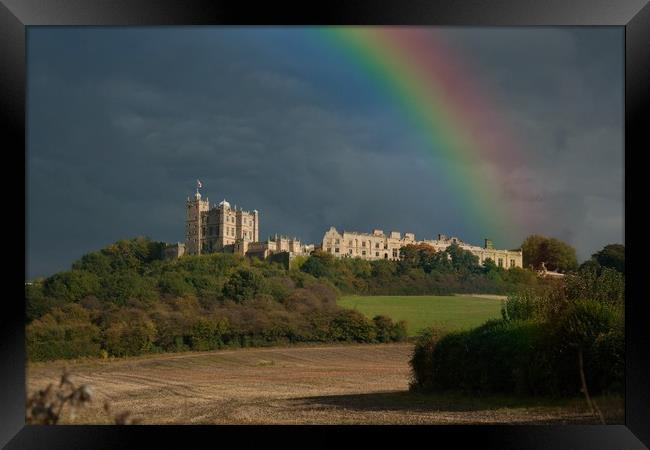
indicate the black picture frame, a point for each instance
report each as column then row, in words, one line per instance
column 634, row 15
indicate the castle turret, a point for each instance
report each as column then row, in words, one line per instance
column 195, row 223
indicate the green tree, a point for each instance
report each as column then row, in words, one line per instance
column 65, row 332
column 130, row 332
column 208, row 334
column 175, row 283
column 243, row 285
column 581, row 326
column 555, row 254
column 462, row 260
column 319, row 264
column 612, row 256
column 351, row 325
column 71, row 286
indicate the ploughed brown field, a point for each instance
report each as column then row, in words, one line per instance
column 328, row 384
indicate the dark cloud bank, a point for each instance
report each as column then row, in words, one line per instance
column 122, row 121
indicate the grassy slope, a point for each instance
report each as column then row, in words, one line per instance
column 420, row 311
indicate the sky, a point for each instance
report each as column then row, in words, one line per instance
column 121, row 122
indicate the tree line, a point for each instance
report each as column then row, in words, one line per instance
column 126, row 299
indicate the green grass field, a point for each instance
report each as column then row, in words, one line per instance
column 421, row 311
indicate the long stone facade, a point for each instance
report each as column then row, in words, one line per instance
column 378, row 245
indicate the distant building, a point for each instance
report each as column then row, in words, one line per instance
column 218, row 228
column 377, row 245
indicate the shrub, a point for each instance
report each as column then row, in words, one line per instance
column 383, row 326
column 71, row 286
column 399, row 332
column 389, row 331
column 584, row 321
column 520, row 306
column 526, row 356
column 130, row 333
column 208, row 334
column 350, row 325
column 65, row 332
column 319, row 264
column 499, row 356
column 596, row 331
column 605, row 286
column 175, row 283
column 422, row 359
column 242, row 285
column 605, row 368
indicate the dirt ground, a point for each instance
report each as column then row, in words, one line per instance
column 348, row 384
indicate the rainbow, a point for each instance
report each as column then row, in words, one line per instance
column 458, row 120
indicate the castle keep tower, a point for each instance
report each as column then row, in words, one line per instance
column 218, row 228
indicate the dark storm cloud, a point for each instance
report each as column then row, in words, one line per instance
column 563, row 92
column 121, row 122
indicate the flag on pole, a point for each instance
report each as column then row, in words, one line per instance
column 198, row 184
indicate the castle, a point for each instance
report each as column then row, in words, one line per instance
column 227, row 229
column 223, row 228
column 218, row 228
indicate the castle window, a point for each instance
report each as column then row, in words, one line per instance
column 329, row 249
column 512, row 263
column 336, row 250
column 377, row 246
column 363, row 252
column 376, row 253
column 337, row 241
column 350, row 251
column 363, row 244
column 500, row 262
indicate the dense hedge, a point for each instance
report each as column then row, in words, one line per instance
column 64, row 333
column 534, row 349
column 183, row 324
column 521, row 357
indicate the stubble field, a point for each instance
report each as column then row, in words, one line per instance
column 329, row 384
